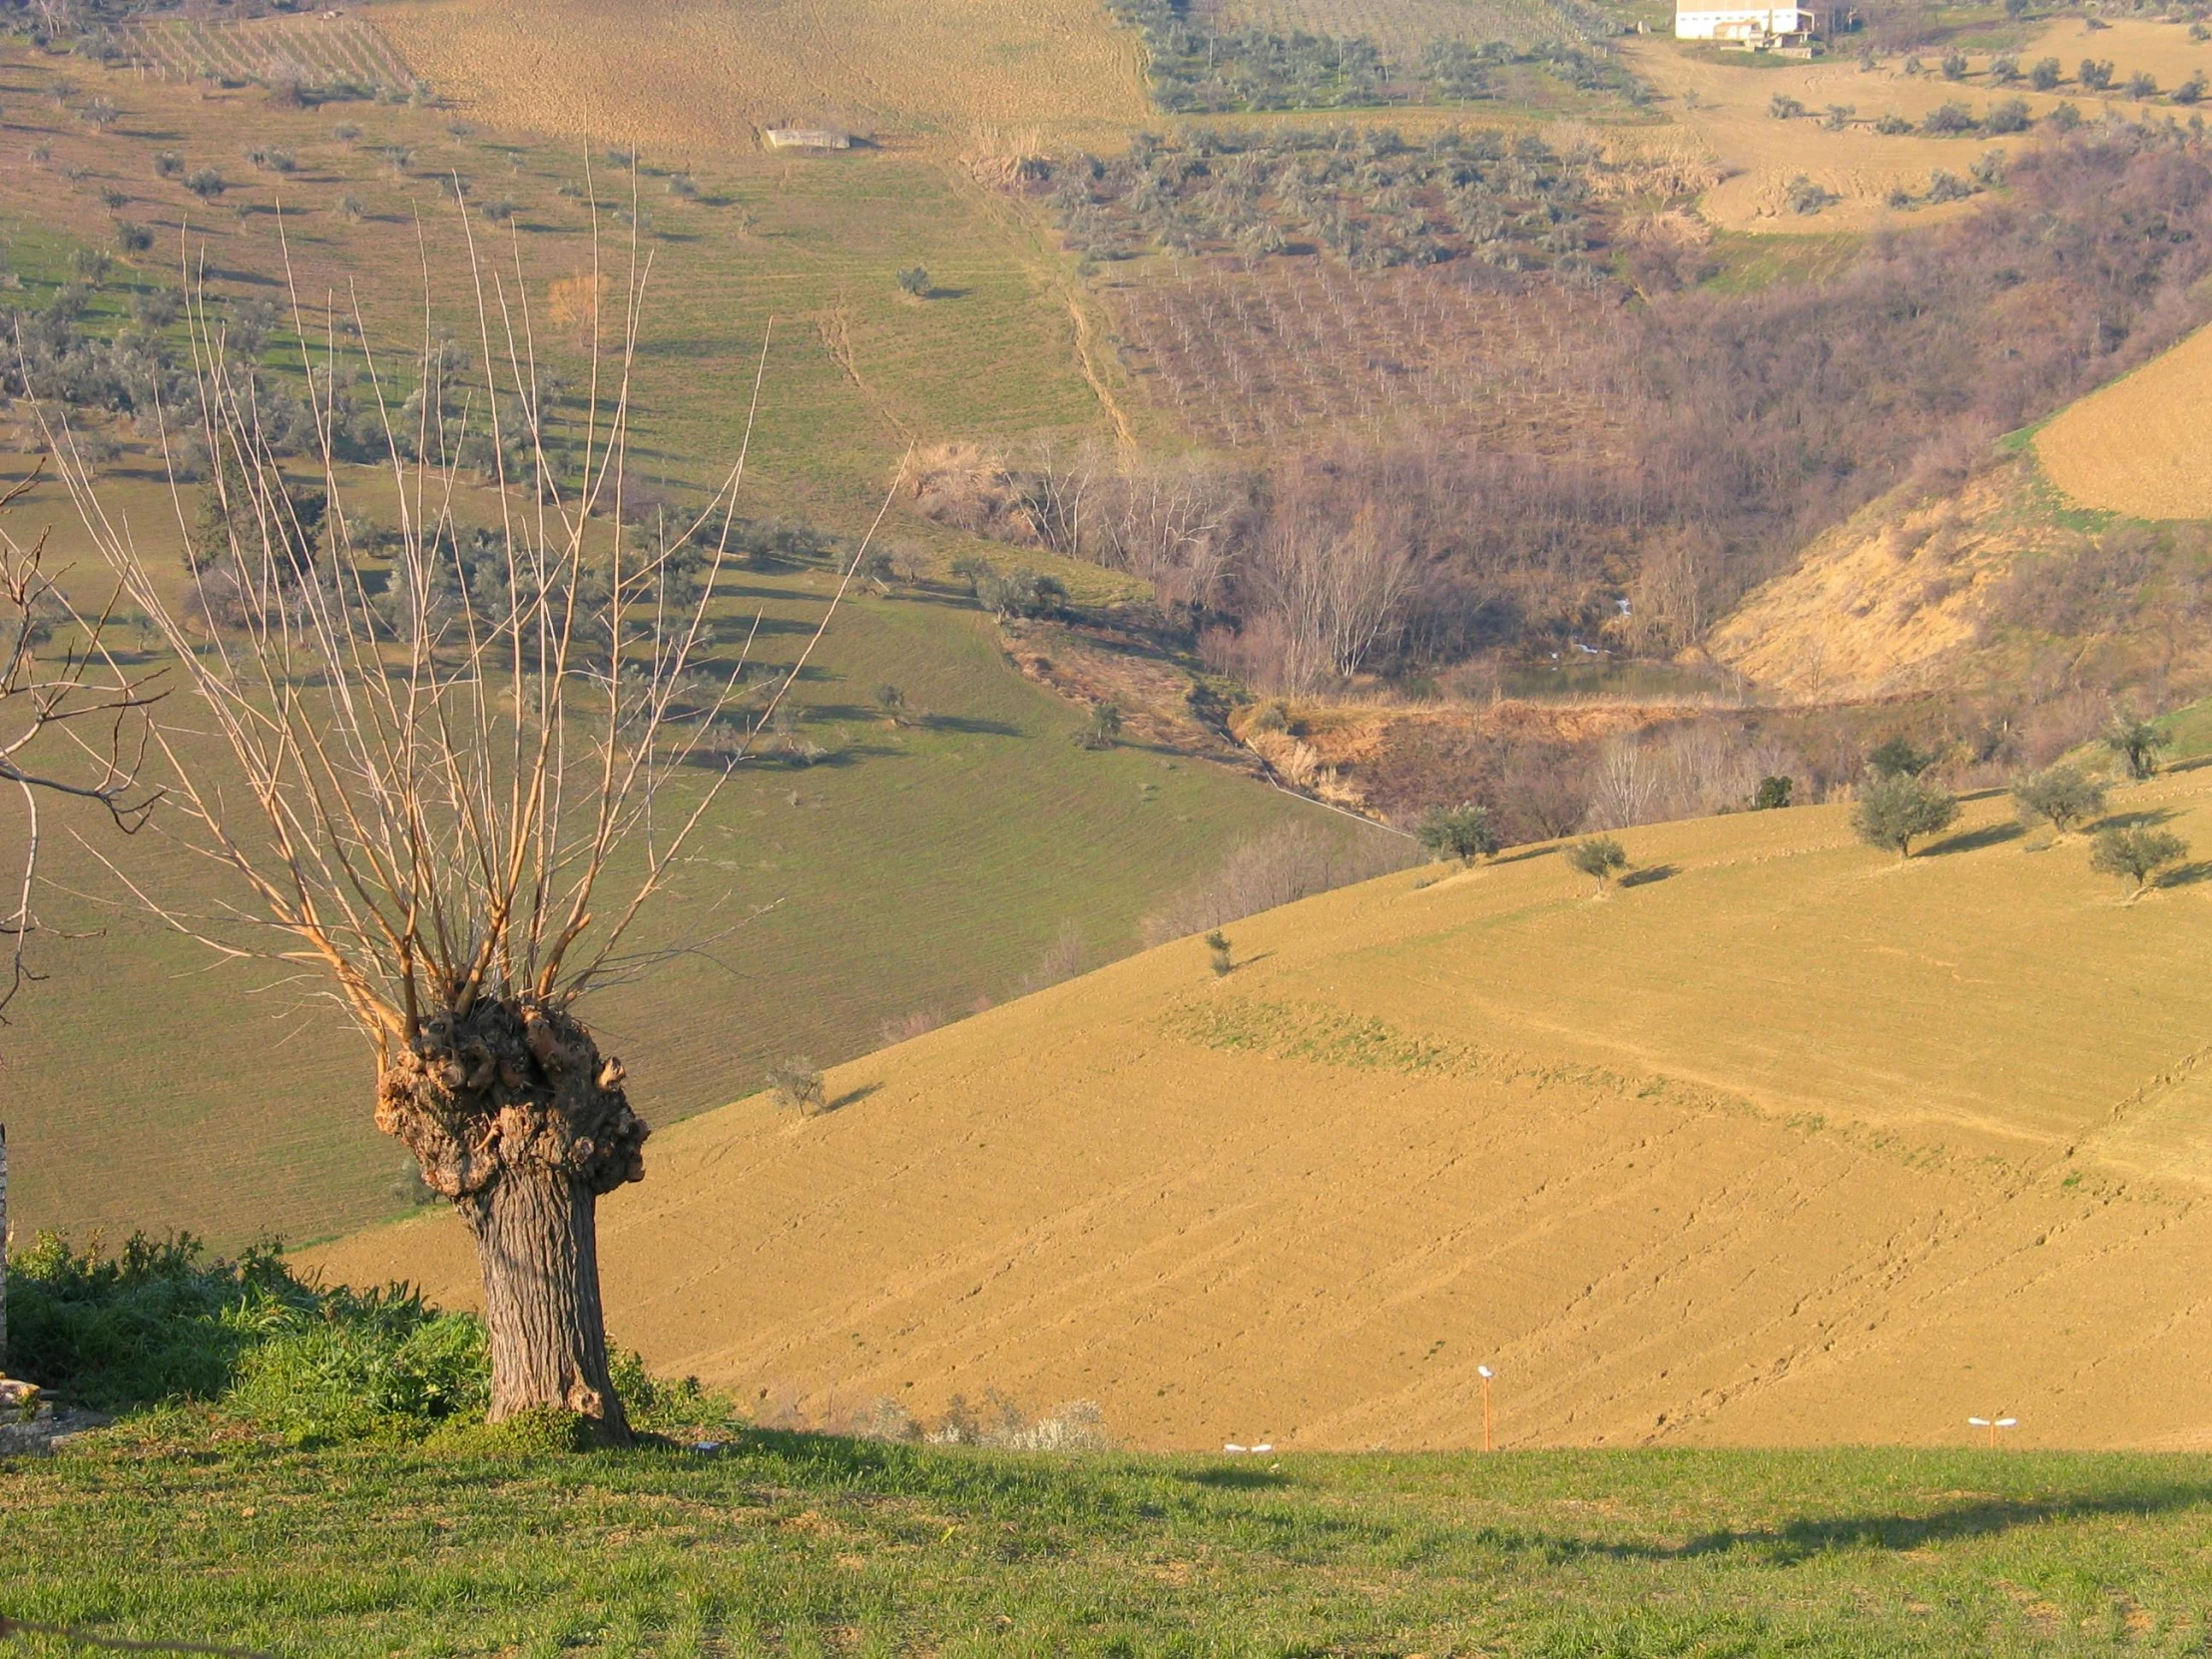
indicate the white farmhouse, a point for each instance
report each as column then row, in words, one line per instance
column 1745, row 24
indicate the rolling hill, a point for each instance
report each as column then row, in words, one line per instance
column 1783, row 1140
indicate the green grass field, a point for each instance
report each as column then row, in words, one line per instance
column 795, row 1545
column 916, row 871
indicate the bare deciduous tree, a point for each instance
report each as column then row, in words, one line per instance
column 73, row 720
column 456, row 817
column 1337, row 593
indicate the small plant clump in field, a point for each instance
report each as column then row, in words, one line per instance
column 2064, row 797
column 913, row 282
column 1218, row 953
column 797, row 1085
column 2135, row 745
column 1600, row 857
column 2137, row 853
column 1462, row 832
column 1102, row 728
column 1897, row 808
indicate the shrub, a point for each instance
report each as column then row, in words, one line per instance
column 1462, row 831
column 2007, row 114
column 797, row 1085
column 1217, row 946
column 1597, row 857
column 499, row 209
column 2094, row 76
column 1954, row 65
column 2136, row 855
column 1784, row 108
column 892, row 700
column 2065, row 117
column 914, row 281
column 1895, row 811
column 1948, row 119
column 205, row 183
column 1892, row 125
column 2044, row 74
column 1948, row 187
column 1772, row 792
column 163, row 1323
column 1806, row 196
column 168, row 165
column 2135, row 743
column 132, row 238
column 2191, row 90
column 2005, row 70
column 1100, row 731
column 2064, row 797
column 1898, row 758
column 2142, row 83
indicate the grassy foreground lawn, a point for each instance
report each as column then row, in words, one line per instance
column 793, row 1544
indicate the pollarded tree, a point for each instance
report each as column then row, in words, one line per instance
column 1600, row 857
column 2064, row 797
column 1894, row 812
column 2137, row 853
column 457, row 828
column 1462, row 832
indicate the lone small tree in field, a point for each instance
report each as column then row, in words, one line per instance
column 913, row 282
column 2135, row 745
column 1462, row 832
column 1598, row 856
column 1102, row 728
column 2137, row 853
column 454, row 812
column 1218, row 953
column 1892, row 812
column 2064, row 797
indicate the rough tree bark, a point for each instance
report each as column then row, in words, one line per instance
column 513, row 1114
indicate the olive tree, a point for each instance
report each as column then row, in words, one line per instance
column 2137, row 853
column 1894, row 812
column 2064, row 797
column 456, row 820
column 2135, row 745
column 1598, row 856
column 1462, row 832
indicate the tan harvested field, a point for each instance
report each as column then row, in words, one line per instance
column 2140, row 445
column 1785, row 1143
column 1724, row 99
column 680, row 76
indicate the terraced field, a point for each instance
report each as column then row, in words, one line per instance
column 1783, row 1140
column 2139, row 446
column 698, row 76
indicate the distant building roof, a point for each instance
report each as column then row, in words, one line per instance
column 807, row 137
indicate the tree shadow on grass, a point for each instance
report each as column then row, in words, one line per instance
column 1973, row 841
column 1796, row 1541
column 1235, row 1480
column 1646, row 877
column 2188, row 876
column 850, row 1097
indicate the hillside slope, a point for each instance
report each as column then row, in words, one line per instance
column 1785, row 1142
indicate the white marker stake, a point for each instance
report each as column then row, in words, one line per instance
column 1485, row 1373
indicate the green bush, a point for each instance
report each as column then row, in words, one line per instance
column 1461, row 832
column 2136, row 855
column 1598, row 856
column 2064, row 796
column 1895, row 811
column 162, row 1321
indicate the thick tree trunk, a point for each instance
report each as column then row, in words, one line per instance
column 514, row 1116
